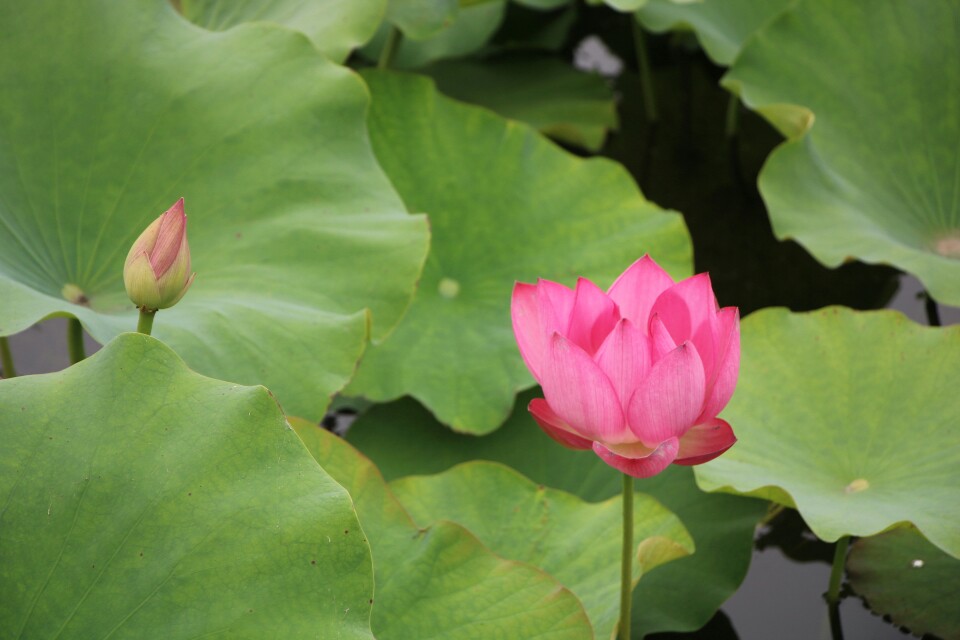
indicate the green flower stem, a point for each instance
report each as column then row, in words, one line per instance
column 733, row 116
column 145, row 324
column 75, row 341
column 626, row 560
column 833, row 594
column 643, row 68
column 933, row 311
column 6, row 359
column 389, row 48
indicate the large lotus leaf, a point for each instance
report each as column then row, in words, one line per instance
column 469, row 31
column 545, row 92
column 530, row 30
column 113, row 110
column 542, row 5
column 336, row 27
column 421, row 19
column 142, row 500
column 404, row 439
column 851, row 417
column 440, row 581
column 903, row 576
column 722, row 26
column 874, row 87
column 577, row 542
column 619, row 5
column 505, row 204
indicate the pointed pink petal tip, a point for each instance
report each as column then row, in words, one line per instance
column 170, row 238
column 177, row 208
column 525, row 317
column 637, row 289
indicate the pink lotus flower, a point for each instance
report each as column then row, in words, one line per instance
column 156, row 273
column 639, row 373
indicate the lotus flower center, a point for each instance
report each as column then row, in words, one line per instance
column 448, row 288
column 948, row 245
column 857, row 486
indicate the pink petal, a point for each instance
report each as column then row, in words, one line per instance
column 173, row 226
column 705, row 442
column 669, row 400
column 581, row 394
column 594, row 315
column 637, row 289
column 661, row 342
column 525, row 315
column 556, row 304
column 554, row 427
column 720, row 389
column 642, row 467
column 625, row 357
column 687, row 309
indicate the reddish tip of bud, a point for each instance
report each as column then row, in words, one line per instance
column 157, row 270
column 173, row 230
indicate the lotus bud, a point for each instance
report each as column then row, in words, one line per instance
column 157, row 271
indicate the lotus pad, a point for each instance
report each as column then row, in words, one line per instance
column 504, row 205
column 420, row 19
column 851, row 417
column 462, row 34
column 143, row 500
column 576, row 542
column 403, row 439
column 546, row 93
column 113, row 110
column 722, row 26
column 903, row 576
column 336, row 27
column 440, row 581
column 868, row 93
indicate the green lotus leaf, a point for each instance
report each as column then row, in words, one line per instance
column 440, row 581
column 542, row 5
column 113, row 110
column 534, row 31
column 504, row 205
column 868, row 94
column 142, row 500
column 404, row 439
column 421, row 19
column 336, row 27
column 903, row 576
column 545, row 92
column 547, row 5
column 619, row 5
column 722, row 27
column 576, row 542
column 469, row 31
column 625, row 6
column 851, row 418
